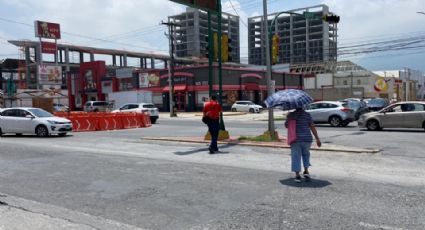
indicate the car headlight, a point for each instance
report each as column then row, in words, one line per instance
column 53, row 122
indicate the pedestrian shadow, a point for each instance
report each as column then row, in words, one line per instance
column 313, row 183
column 202, row 150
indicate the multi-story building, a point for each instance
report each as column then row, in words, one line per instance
column 301, row 40
column 191, row 32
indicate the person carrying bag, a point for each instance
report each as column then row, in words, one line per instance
column 211, row 115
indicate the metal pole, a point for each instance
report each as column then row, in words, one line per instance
column 210, row 56
column 171, row 67
column 220, row 77
column 271, row 127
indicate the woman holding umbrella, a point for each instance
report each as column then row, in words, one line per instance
column 304, row 126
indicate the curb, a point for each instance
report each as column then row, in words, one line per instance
column 264, row 144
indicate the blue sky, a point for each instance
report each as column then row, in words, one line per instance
column 134, row 25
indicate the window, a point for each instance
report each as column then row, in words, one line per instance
column 359, row 81
column 10, row 113
column 345, row 82
column 133, row 106
column 148, row 106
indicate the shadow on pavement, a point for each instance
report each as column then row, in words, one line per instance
column 313, row 183
column 201, row 150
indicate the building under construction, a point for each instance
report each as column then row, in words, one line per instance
column 301, row 40
column 191, row 33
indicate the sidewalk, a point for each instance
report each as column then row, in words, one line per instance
column 243, row 116
column 276, row 144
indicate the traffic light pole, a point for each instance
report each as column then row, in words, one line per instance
column 210, row 56
column 220, row 75
column 271, row 125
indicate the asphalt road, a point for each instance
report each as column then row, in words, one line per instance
column 115, row 180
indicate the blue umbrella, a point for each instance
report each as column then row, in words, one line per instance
column 289, row 99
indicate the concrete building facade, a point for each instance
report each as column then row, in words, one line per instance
column 301, row 40
column 191, row 32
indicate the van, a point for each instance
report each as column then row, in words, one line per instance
column 97, row 106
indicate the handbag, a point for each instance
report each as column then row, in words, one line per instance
column 292, row 131
column 206, row 119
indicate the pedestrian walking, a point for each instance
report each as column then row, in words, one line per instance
column 300, row 126
column 211, row 115
column 300, row 147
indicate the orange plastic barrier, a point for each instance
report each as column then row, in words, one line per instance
column 145, row 120
column 82, row 121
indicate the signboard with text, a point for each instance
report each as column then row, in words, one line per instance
column 47, row 30
column 48, row 47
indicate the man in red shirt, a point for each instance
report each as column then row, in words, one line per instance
column 212, row 109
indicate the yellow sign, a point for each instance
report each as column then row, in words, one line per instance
column 381, row 85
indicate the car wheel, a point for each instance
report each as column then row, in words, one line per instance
column 41, row 131
column 153, row 120
column 335, row 121
column 1, row 132
column 234, row 110
column 251, row 110
column 62, row 134
column 345, row 123
column 95, row 110
column 423, row 126
column 372, row 125
column 18, row 134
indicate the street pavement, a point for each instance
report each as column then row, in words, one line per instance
column 118, row 180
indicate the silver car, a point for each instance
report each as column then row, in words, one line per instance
column 408, row 114
column 150, row 108
column 97, row 106
column 333, row 112
column 246, row 106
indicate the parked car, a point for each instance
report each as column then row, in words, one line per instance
column 358, row 106
column 97, row 106
column 33, row 121
column 377, row 104
column 57, row 107
column 150, row 108
column 333, row 112
column 246, row 106
column 408, row 114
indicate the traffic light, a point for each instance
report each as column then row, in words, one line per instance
column 331, row 18
column 275, row 49
column 225, row 48
column 214, row 49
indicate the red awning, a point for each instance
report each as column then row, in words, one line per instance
column 176, row 88
column 251, row 86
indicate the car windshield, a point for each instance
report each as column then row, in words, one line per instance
column 40, row 113
column 250, row 103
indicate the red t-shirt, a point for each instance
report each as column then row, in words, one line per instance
column 212, row 109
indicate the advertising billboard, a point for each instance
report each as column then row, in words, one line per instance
column 50, row 75
column 47, row 30
column 48, row 47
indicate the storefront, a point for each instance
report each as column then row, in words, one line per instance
column 191, row 88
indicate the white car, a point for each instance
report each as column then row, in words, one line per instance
column 150, row 108
column 246, row 106
column 33, row 121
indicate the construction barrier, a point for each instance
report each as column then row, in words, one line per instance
column 99, row 121
column 145, row 120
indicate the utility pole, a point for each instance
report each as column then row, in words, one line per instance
column 271, row 127
column 171, row 67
